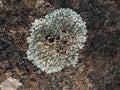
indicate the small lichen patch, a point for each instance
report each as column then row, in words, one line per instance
column 55, row 41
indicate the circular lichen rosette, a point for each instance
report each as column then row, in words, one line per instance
column 55, row 41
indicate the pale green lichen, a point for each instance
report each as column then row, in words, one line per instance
column 55, row 41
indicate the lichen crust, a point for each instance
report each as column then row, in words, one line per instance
column 56, row 39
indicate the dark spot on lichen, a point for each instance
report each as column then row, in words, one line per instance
column 51, row 39
column 57, row 37
column 64, row 42
column 47, row 36
column 57, row 50
column 64, row 30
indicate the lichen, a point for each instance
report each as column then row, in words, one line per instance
column 56, row 39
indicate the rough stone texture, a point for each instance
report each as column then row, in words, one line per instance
column 10, row 84
column 98, row 70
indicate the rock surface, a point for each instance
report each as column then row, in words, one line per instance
column 10, row 84
column 98, row 70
